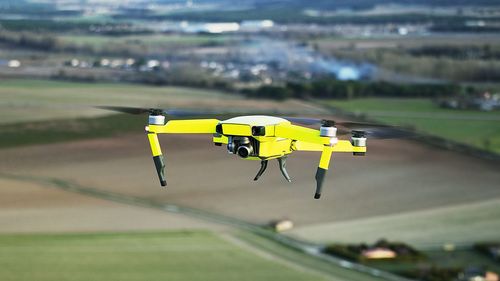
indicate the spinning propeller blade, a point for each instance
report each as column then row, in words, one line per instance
column 125, row 109
column 154, row 111
column 346, row 124
column 373, row 130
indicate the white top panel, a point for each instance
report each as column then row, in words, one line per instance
column 255, row 120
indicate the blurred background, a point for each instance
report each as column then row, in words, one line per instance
column 79, row 196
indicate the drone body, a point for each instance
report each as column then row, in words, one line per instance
column 259, row 138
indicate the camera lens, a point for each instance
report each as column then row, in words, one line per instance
column 244, row 151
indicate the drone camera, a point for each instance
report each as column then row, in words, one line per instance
column 242, row 146
column 258, row 131
column 245, row 151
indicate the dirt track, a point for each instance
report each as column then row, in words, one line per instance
column 396, row 176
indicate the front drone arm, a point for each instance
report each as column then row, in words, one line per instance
column 310, row 140
column 326, row 152
column 197, row 126
column 306, row 139
column 324, row 162
column 157, row 157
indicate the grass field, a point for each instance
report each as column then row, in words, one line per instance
column 182, row 255
column 47, row 131
column 406, row 41
column 466, row 223
column 149, row 40
column 31, row 100
column 421, row 182
column 37, row 100
column 480, row 129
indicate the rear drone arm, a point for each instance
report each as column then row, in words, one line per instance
column 196, row 126
column 324, row 140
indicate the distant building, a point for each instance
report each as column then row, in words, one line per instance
column 14, row 64
column 281, row 225
column 213, row 28
column 379, row 253
column 484, row 102
column 478, row 274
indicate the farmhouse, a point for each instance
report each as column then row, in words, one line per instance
column 379, row 253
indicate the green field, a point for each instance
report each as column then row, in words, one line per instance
column 424, row 229
column 477, row 128
column 52, row 131
column 34, row 100
column 181, row 255
column 149, row 40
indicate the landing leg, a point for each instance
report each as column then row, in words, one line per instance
column 282, row 163
column 263, row 166
column 320, row 178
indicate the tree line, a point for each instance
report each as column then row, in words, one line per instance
column 336, row 89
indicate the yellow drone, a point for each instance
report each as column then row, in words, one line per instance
column 258, row 137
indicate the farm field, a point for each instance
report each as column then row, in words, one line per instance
column 480, row 129
column 457, row 224
column 399, row 177
column 406, row 41
column 148, row 40
column 34, row 207
column 80, row 198
column 174, row 255
column 32, row 100
column 400, row 187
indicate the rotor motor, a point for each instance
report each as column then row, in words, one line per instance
column 156, row 120
column 329, row 130
column 358, row 139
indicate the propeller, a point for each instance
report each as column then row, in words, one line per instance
column 154, row 111
column 347, row 124
column 372, row 130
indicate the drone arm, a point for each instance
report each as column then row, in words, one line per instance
column 157, row 157
column 300, row 133
column 326, row 153
column 341, row 146
column 195, row 126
